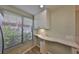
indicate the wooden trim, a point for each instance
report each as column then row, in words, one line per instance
column 28, row 49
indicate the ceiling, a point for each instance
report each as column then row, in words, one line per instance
column 34, row 9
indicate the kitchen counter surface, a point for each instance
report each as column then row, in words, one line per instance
column 58, row 40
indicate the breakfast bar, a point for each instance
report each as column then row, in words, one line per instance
column 56, row 45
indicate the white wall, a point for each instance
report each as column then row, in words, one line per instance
column 62, row 22
column 41, row 20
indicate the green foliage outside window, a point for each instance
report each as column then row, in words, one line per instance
column 9, row 35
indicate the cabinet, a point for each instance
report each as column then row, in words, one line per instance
column 41, row 20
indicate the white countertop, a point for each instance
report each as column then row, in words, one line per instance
column 58, row 40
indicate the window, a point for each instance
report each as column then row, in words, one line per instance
column 16, row 29
column 27, row 30
column 11, row 29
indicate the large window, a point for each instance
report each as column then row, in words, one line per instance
column 27, row 30
column 16, row 29
column 11, row 29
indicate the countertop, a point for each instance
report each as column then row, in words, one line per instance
column 58, row 40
